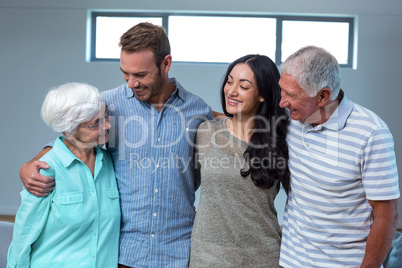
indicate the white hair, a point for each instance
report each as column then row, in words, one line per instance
column 314, row 68
column 69, row 105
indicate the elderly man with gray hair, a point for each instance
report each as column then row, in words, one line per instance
column 342, row 207
column 77, row 224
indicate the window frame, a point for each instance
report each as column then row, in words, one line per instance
column 91, row 42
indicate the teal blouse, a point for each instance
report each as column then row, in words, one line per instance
column 77, row 224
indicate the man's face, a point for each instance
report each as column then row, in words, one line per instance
column 141, row 74
column 301, row 106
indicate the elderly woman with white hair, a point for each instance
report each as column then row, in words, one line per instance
column 78, row 223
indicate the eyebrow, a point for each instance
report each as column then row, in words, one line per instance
column 241, row 80
column 137, row 73
column 245, row 80
column 288, row 93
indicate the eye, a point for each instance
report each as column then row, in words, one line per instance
column 95, row 124
column 141, row 75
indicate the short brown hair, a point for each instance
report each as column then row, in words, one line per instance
column 147, row 35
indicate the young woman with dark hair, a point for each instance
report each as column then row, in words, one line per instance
column 241, row 162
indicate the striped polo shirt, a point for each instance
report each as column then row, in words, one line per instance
column 336, row 167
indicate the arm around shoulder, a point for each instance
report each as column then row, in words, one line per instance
column 34, row 182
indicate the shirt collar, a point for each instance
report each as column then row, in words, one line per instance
column 66, row 156
column 338, row 119
column 181, row 93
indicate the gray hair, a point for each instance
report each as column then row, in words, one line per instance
column 69, row 105
column 314, row 68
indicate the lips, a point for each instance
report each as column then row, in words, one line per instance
column 139, row 91
column 233, row 101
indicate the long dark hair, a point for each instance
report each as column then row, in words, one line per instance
column 267, row 153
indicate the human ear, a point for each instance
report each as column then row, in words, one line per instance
column 166, row 63
column 68, row 135
column 323, row 96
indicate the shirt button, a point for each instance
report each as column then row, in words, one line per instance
column 156, row 191
column 152, row 235
column 154, row 214
column 157, row 165
column 187, row 129
column 307, row 144
column 159, row 139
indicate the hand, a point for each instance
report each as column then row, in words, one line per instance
column 35, row 183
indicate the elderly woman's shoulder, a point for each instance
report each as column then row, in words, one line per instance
column 52, row 160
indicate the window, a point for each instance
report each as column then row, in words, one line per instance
column 222, row 38
column 335, row 36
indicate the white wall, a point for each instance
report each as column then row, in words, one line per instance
column 42, row 44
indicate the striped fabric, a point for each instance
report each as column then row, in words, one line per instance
column 152, row 153
column 335, row 168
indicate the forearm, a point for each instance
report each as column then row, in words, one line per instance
column 380, row 238
column 40, row 154
column 29, row 223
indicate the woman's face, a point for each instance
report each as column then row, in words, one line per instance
column 241, row 92
column 94, row 131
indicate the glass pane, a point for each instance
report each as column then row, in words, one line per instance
column 220, row 39
column 109, row 30
column 333, row 36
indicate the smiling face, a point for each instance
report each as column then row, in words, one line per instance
column 301, row 106
column 92, row 132
column 142, row 75
column 241, row 92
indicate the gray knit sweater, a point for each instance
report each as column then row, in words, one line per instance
column 236, row 223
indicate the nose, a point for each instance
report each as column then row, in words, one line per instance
column 133, row 83
column 232, row 90
column 106, row 124
column 283, row 102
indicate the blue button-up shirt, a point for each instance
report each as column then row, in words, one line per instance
column 153, row 157
column 76, row 225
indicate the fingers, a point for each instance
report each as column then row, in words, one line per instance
column 39, row 188
column 34, row 182
column 38, row 194
column 41, row 164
